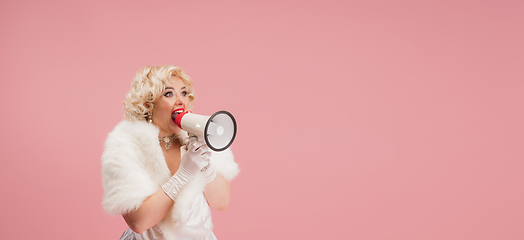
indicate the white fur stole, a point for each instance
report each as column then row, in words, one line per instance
column 133, row 168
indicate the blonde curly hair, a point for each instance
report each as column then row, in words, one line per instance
column 149, row 83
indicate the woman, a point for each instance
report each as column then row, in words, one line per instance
column 161, row 181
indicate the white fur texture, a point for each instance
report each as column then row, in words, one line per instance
column 133, row 168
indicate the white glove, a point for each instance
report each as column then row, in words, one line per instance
column 210, row 172
column 193, row 161
column 196, row 157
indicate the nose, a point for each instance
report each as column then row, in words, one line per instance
column 179, row 101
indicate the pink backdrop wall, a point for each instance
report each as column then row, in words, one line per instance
column 357, row 119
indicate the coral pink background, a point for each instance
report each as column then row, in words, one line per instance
column 357, row 119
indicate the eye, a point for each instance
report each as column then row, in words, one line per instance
column 184, row 93
column 168, row 94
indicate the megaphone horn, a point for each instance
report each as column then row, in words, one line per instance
column 218, row 130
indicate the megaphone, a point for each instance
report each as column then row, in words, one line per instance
column 218, row 130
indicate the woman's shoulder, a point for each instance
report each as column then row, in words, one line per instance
column 130, row 136
column 131, row 130
column 127, row 127
column 224, row 163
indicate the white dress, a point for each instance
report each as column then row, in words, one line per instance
column 199, row 215
column 200, row 219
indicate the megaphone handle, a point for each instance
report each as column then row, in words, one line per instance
column 194, row 138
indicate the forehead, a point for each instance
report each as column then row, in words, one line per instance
column 176, row 83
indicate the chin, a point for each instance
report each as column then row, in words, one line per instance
column 175, row 128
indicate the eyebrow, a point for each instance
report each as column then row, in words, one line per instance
column 174, row 89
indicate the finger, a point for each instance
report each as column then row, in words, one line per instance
column 195, row 146
column 192, row 147
column 206, row 155
column 204, row 148
column 200, row 146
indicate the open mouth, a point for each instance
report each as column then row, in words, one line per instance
column 176, row 112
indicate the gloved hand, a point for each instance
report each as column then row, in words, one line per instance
column 196, row 157
column 210, row 172
column 193, row 161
